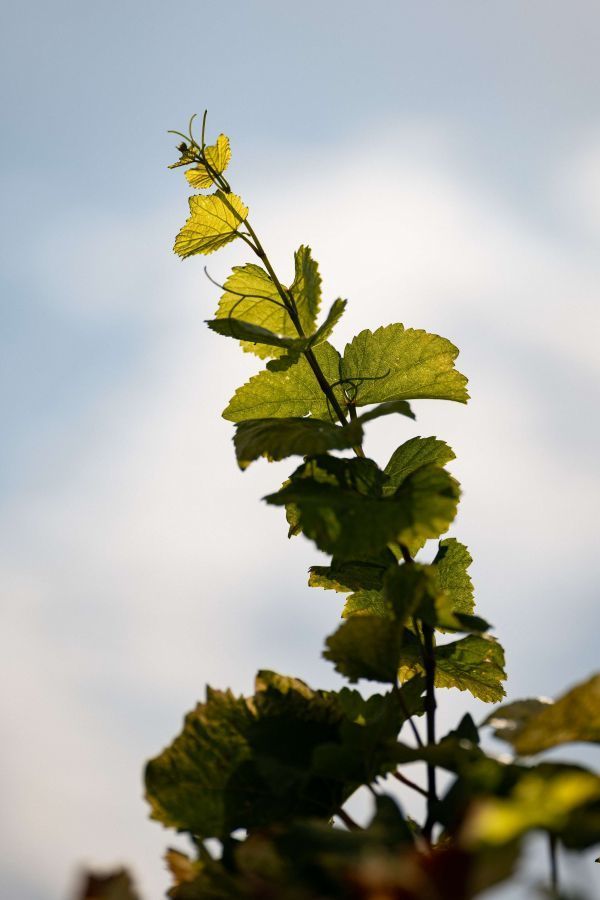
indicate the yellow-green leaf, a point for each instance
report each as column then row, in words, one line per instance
column 251, row 295
column 474, row 664
column 532, row 726
column 214, row 221
column 306, row 288
column 217, row 156
column 286, row 390
column 539, row 800
column 394, row 363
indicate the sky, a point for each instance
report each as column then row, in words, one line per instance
column 443, row 161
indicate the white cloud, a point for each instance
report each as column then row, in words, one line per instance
column 142, row 565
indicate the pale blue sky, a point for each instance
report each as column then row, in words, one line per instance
column 444, row 161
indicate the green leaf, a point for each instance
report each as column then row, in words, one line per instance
column 366, row 603
column 366, row 647
column 291, row 390
column 474, row 663
column 386, row 409
column 306, row 289
column 255, row 334
column 451, row 564
column 279, row 438
column 251, row 295
column 402, row 364
column 214, row 221
column 324, row 330
column 532, row 726
column 186, row 786
column 412, row 455
column 539, row 800
column 352, row 575
column 218, row 156
column 351, row 523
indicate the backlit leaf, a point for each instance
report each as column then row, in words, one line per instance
column 306, row 288
column 350, row 523
column 532, row 726
column 324, row 330
column 279, row 438
column 402, row 364
column 413, row 454
column 451, row 564
column 255, row 334
column 474, row 663
column 214, row 221
column 290, row 391
column 386, row 409
column 218, row 156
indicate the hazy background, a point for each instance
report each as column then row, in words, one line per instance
column 443, row 160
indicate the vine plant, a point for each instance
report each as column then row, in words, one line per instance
column 269, row 775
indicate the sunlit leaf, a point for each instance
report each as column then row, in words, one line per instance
column 218, row 156
column 474, row 663
column 306, row 288
column 394, row 363
column 290, row 391
column 214, row 221
column 412, row 455
column 387, row 409
column 255, row 334
column 324, row 330
column 350, row 523
column 451, row 564
column 532, row 726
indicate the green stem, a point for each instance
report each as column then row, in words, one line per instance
column 428, row 655
column 293, row 313
column 430, row 706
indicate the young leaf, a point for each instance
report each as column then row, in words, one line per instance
column 451, row 564
column 324, row 330
column 306, row 288
column 278, row 438
column 251, row 295
column 218, row 156
column 386, row 409
column 474, row 664
column 412, row 455
column 248, row 333
column 532, row 726
column 394, row 363
column 214, row 221
column 292, row 390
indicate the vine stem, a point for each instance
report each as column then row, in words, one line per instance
column 553, row 864
column 428, row 656
column 411, row 784
column 348, row 821
column 253, row 241
column 430, row 707
column 293, row 313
